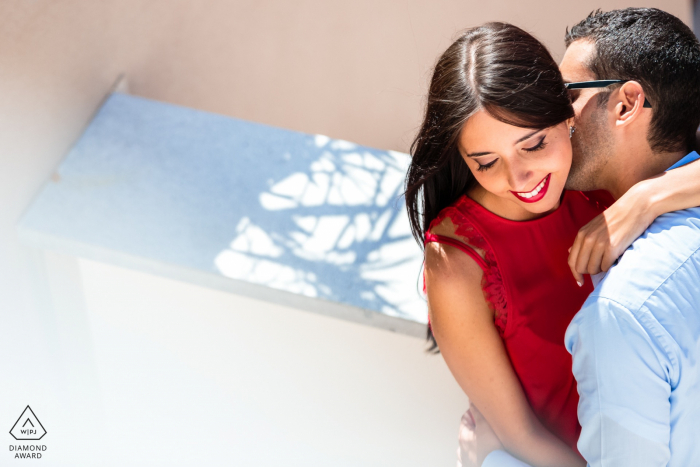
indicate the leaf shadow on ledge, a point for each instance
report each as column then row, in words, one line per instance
column 332, row 224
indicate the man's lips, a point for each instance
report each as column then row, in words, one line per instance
column 536, row 194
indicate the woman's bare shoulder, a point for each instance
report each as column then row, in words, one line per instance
column 453, row 278
column 443, row 254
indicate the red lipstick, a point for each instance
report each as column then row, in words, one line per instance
column 536, row 194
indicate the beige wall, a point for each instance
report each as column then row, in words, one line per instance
column 355, row 70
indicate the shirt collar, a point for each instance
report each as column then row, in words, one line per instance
column 687, row 159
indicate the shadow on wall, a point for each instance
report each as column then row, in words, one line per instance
column 331, row 224
column 302, row 213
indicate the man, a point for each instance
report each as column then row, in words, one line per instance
column 635, row 343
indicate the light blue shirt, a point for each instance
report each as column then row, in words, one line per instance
column 635, row 346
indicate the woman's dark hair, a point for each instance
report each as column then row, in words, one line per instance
column 497, row 67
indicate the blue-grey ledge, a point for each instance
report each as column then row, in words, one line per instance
column 303, row 220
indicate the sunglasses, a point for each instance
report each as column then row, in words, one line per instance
column 602, row 83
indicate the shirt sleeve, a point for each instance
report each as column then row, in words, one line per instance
column 622, row 373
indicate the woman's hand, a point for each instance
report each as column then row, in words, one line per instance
column 600, row 243
column 476, row 438
column 486, row 439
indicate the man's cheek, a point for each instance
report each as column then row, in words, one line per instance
column 578, row 108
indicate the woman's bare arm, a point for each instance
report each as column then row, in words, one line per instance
column 600, row 242
column 464, row 328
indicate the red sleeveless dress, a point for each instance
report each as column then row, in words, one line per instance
column 528, row 282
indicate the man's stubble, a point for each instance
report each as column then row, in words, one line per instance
column 592, row 148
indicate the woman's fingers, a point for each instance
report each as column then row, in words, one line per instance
column 601, row 242
column 598, row 251
column 468, row 420
column 486, row 439
column 608, row 260
column 476, row 415
column 573, row 258
column 593, row 250
column 584, row 254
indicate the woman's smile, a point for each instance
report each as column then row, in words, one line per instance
column 536, row 194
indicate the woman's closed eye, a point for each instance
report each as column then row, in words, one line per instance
column 486, row 166
column 540, row 145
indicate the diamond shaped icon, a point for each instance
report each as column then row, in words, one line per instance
column 28, row 427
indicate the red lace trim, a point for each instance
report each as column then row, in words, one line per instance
column 492, row 282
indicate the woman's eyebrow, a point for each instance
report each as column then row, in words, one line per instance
column 477, row 154
column 528, row 136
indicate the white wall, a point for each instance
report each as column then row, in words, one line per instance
column 103, row 354
column 225, row 380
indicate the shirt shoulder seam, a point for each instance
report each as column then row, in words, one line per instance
column 636, row 309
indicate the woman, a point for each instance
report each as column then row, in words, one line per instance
column 487, row 179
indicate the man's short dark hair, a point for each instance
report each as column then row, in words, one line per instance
column 660, row 52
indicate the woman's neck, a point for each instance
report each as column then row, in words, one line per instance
column 503, row 207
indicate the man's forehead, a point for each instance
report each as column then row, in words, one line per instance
column 573, row 65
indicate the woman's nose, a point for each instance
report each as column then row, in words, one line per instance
column 519, row 176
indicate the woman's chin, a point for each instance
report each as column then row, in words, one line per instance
column 549, row 203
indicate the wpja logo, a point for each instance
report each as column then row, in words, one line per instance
column 28, row 428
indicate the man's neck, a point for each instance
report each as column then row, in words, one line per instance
column 635, row 165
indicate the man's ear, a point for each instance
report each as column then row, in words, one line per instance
column 628, row 103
